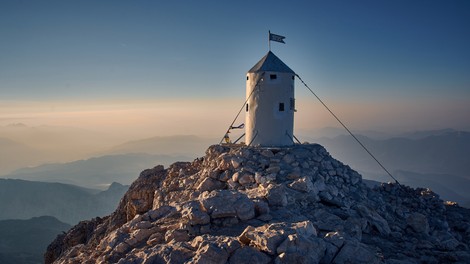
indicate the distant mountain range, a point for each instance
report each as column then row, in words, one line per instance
column 437, row 159
column 96, row 172
column 448, row 186
column 25, row 199
column 187, row 145
column 22, row 145
column 427, row 133
column 416, row 157
column 446, row 153
column 25, row 241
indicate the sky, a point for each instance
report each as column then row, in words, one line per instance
column 178, row 67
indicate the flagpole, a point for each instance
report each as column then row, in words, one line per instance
column 269, row 39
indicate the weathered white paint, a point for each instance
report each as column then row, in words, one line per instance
column 265, row 124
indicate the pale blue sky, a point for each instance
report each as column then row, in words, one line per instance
column 158, row 49
column 379, row 64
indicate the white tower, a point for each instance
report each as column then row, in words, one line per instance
column 269, row 119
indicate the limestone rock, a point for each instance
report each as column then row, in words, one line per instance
column 304, row 228
column 211, row 254
column 246, row 253
column 374, row 219
column 446, row 241
column 276, row 195
column 303, row 184
column 193, row 212
column 261, row 207
column 335, row 238
column 246, row 179
column 355, row 252
column 327, row 221
column 267, row 153
column 225, row 203
column 176, row 235
column 265, row 238
column 300, row 249
column 418, row 222
column 209, row 184
column 294, row 204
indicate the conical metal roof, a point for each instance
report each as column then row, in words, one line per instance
column 272, row 63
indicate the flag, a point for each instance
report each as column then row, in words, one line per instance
column 277, row 38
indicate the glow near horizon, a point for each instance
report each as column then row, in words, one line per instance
column 207, row 117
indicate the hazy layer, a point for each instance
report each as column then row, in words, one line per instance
column 34, row 133
column 118, row 121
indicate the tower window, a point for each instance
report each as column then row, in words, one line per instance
column 247, row 107
column 247, row 78
column 281, row 107
column 273, row 76
column 293, row 77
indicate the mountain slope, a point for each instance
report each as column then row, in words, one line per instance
column 446, row 153
column 437, row 159
column 450, row 187
column 49, row 144
column 96, row 172
column 24, row 241
column 25, row 199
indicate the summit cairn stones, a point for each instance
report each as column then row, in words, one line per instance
column 276, row 195
column 225, row 203
column 303, row 184
column 242, row 204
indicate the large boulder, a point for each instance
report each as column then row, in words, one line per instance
column 301, row 249
column 418, row 222
column 226, row 203
column 356, row 252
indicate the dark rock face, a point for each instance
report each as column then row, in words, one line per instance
column 268, row 205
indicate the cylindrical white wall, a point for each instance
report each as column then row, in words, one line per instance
column 269, row 117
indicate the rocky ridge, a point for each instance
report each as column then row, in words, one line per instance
column 268, row 205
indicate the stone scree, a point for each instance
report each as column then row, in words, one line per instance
column 268, row 205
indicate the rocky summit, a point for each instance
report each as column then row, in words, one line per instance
column 243, row 204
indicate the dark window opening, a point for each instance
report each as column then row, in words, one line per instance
column 281, row 107
column 273, row 76
column 247, row 107
column 247, row 77
column 293, row 77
